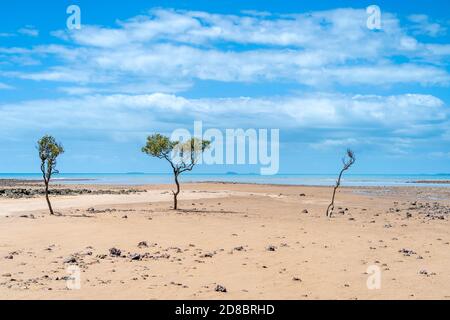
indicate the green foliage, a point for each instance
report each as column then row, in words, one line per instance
column 158, row 146
column 181, row 155
column 49, row 150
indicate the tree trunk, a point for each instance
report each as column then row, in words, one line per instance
column 331, row 206
column 175, row 193
column 48, row 200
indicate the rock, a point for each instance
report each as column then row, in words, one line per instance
column 305, row 211
column 125, row 217
column 70, row 259
column 90, row 210
column 240, row 248
column 302, row 195
column 407, row 252
column 207, row 255
column 114, row 252
column 296, row 279
column 271, row 248
column 135, row 256
column 143, row 244
column 220, row 288
column 10, row 257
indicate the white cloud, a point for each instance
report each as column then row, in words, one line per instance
column 29, row 31
column 140, row 113
column 423, row 25
column 316, row 49
column 4, row 86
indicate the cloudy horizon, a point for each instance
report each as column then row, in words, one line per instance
column 318, row 74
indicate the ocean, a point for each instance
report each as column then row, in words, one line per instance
column 287, row 179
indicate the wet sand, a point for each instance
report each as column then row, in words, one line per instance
column 257, row 241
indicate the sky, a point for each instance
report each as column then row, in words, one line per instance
column 314, row 70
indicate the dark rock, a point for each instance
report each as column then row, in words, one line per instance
column 220, row 288
column 135, row 256
column 114, row 252
column 407, row 252
column 142, row 244
column 70, row 259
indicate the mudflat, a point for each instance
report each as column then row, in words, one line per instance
column 228, row 241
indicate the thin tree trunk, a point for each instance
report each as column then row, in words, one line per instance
column 47, row 198
column 175, row 194
column 331, row 206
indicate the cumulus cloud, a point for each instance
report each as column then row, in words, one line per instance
column 423, row 25
column 331, row 47
column 111, row 114
column 29, row 31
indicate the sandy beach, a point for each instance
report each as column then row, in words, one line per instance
column 256, row 241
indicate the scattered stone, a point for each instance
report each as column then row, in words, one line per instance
column 70, row 259
column 407, row 252
column 114, row 252
column 207, row 255
column 142, row 244
column 426, row 273
column 135, row 256
column 220, row 288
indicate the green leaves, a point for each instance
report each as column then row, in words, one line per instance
column 158, row 146
column 48, row 150
column 181, row 155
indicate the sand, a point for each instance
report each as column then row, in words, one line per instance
column 257, row 241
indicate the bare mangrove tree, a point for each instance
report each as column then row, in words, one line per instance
column 347, row 162
column 49, row 150
column 182, row 156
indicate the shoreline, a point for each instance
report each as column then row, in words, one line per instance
column 443, row 184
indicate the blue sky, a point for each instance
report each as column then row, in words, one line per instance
column 313, row 70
